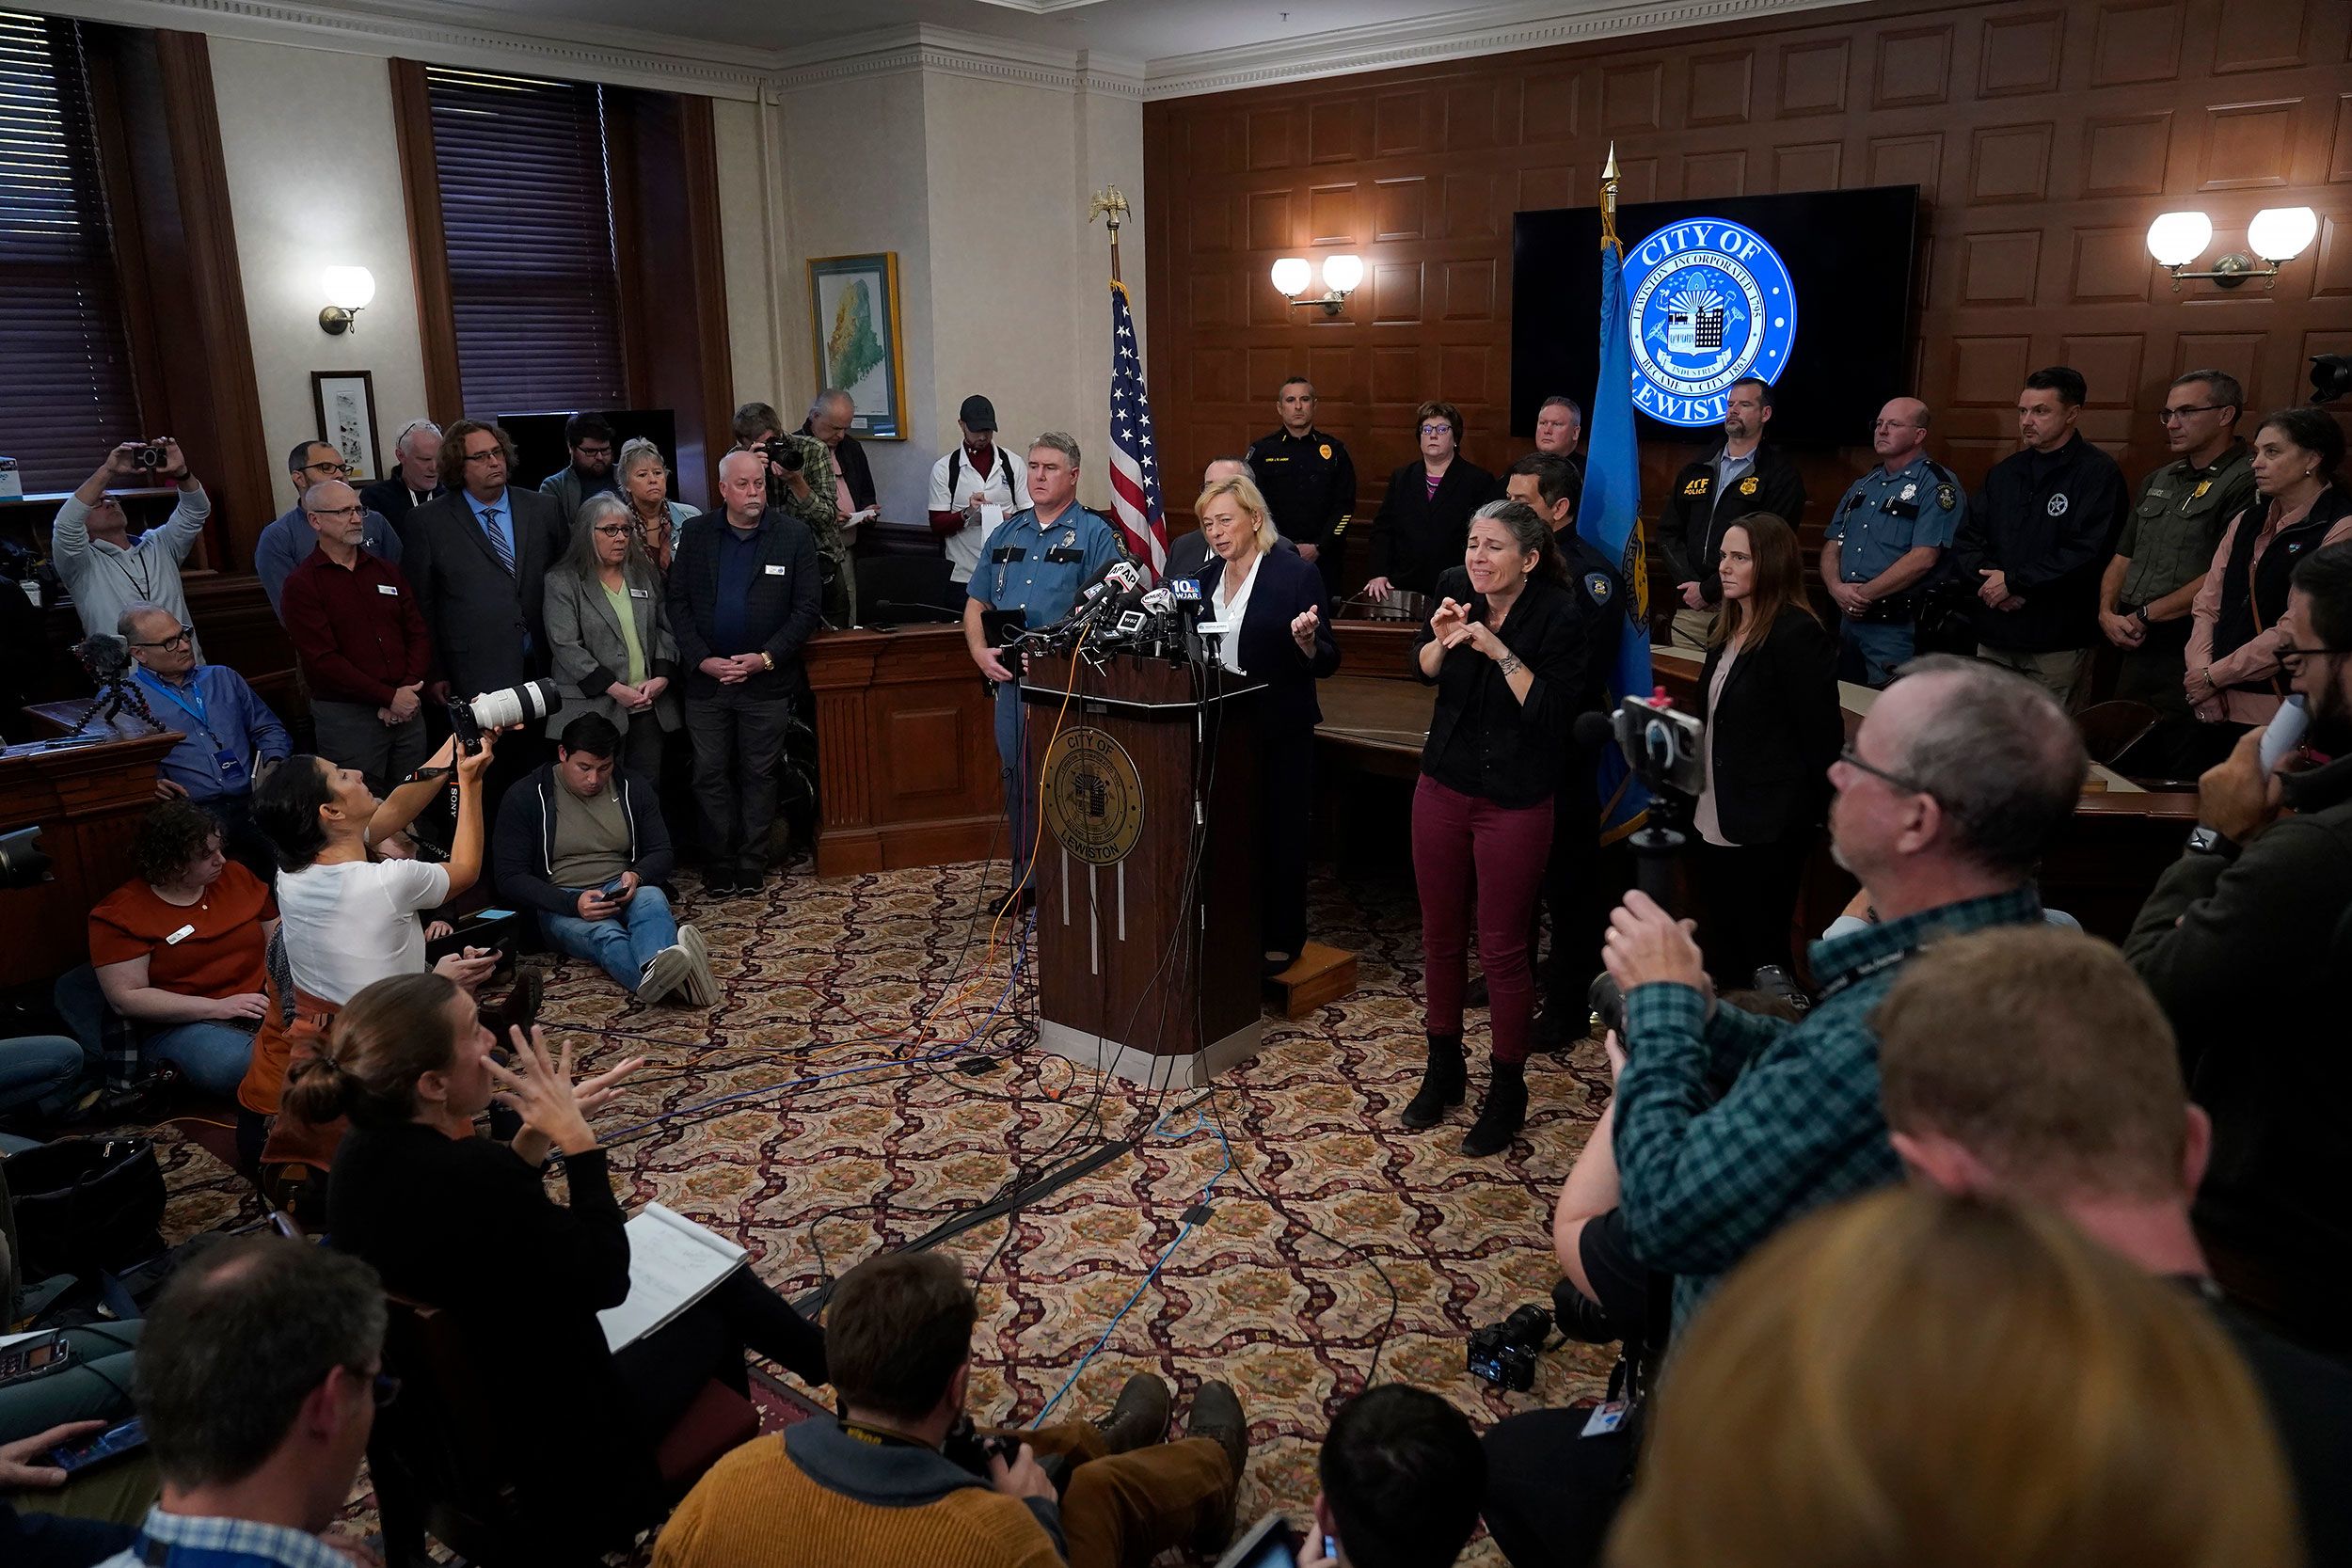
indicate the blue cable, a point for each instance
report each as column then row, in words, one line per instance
column 1200, row 1124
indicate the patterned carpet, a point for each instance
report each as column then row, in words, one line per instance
column 822, row 1112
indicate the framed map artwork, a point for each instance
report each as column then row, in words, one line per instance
column 853, row 325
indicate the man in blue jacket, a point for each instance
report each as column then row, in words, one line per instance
column 585, row 844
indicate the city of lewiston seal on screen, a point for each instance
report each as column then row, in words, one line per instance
column 1712, row 303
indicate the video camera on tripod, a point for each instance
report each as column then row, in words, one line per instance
column 1661, row 746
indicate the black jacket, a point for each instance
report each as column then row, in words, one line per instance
column 391, row 498
column 782, row 608
column 1312, row 495
column 479, row 612
column 2048, row 521
column 1776, row 731
column 1418, row 537
column 1690, row 529
column 850, row 458
column 1287, row 587
column 523, row 847
column 2238, row 953
column 1483, row 741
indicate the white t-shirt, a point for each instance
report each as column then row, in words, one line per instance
column 1001, row 488
column 1230, row 611
column 353, row 922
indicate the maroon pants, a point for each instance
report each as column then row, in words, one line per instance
column 1457, row 839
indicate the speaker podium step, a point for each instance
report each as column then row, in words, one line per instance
column 1318, row 976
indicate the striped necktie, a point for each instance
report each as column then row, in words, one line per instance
column 498, row 540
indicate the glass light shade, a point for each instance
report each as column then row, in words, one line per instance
column 348, row 287
column 1342, row 273
column 2176, row 239
column 1290, row 277
column 2280, row 234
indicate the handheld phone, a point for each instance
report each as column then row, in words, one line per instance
column 614, row 888
column 1273, row 1542
column 113, row 1443
column 30, row 1355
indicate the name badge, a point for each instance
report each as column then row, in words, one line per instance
column 774, row 571
column 647, row 593
column 179, row 936
column 387, row 589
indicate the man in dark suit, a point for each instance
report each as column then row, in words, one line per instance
column 744, row 596
column 415, row 479
column 478, row 559
column 1189, row 555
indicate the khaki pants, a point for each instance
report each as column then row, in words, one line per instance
column 1693, row 628
column 2064, row 674
column 1122, row 1510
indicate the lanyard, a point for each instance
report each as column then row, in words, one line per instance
column 195, row 710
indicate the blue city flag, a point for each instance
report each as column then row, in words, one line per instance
column 1608, row 516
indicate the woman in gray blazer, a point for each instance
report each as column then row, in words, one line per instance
column 609, row 635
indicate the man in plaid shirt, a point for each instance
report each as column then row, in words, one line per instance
column 1945, row 798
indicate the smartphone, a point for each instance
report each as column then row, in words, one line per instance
column 27, row 1355
column 615, row 887
column 113, row 1443
column 1271, row 1543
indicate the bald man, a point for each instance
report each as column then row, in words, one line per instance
column 1189, row 555
column 1889, row 530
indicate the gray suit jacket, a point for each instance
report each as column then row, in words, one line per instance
column 479, row 614
column 587, row 653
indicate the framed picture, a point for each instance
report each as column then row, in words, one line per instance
column 346, row 406
column 853, row 325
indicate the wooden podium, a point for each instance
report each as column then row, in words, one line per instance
column 1145, row 872
column 87, row 800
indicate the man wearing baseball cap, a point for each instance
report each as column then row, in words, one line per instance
column 974, row 488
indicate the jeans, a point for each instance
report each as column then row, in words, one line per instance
column 212, row 1053
column 1456, row 837
column 622, row 946
column 739, row 741
column 39, row 1071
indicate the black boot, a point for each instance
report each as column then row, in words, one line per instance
column 1443, row 1082
column 1500, row 1112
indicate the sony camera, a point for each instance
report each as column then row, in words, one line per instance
column 1505, row 1354
column 783, row 452
column 469, row 717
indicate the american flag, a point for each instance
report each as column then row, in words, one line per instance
column 1134, row 471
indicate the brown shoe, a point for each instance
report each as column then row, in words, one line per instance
column 1217, row 1416
column 1140, row 1417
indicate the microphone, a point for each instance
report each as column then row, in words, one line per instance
column 1593, row 733
column 1120, row 575
column 1159, row 601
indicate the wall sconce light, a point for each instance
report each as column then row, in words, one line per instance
column 2278, row 234
column 1341, row 277
column 348, row 290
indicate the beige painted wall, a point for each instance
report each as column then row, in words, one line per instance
column 752, row 242
column 314, row 182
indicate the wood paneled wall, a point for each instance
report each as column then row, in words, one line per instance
column 2044, row 138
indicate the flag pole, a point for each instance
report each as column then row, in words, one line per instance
column 1110, row 206
column 1608, row 202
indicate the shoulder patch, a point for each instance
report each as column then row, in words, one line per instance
column 1696, row 486
column 1947, row 496
column 1598, row 586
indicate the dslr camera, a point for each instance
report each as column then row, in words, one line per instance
column 1505, row 1354
column 470, row 716
column 783, row 452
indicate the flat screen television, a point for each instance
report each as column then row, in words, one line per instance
column 1813, row 291
column 539, row 448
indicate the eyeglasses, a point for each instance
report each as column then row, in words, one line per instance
column 593, row 452
column 1436, row 430
column 177, row 641
column 611, row 531
column 2173, row 416
column 334, row 469
column 485, row 456
column 336, row 511
column 1853, row 759
column 2285, row 654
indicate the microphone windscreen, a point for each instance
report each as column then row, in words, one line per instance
column 1592, row 732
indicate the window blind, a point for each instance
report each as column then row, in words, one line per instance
column 66, row 390
column 527, row 216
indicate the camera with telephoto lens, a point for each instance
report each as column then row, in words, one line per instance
column 468, row 719
column 783, row 452
column 1505, row 1354
column 22, row 862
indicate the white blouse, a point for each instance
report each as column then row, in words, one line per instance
column 1230, row 611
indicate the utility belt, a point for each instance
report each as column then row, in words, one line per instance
column 1898, row 610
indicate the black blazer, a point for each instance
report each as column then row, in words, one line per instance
column 389, row 498
column 479, row 613
column 1776, row 732
column 1417, row 536
column 1483, row 741
column 1288, row 586
column 781, row 610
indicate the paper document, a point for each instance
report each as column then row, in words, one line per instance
column 862, row 515
column 673, row 1264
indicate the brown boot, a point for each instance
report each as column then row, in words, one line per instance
column 1139, row 1419
column 1217, row 1416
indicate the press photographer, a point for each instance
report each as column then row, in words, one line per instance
column 107, row 571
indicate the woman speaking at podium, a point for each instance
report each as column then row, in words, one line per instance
column 1279, row 631
column 1504, row 650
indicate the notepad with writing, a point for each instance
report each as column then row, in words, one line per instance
column 673, row 1264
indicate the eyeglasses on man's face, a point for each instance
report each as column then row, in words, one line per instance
column 485, row 454
column 353, row 510
column 1853, row 759
column 2174, row 416
column 333, row 468
column 170, row 644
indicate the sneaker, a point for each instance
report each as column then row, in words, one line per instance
column 1217, row 1416
column 664, row 973
column 1140, row 1417
column 717, row 880
column 702, row 987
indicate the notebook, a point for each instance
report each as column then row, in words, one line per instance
column 673, row 1264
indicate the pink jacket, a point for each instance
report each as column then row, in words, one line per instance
column 2257, row 658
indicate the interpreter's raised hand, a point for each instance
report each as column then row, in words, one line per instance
column 592, row 1093
column 1479, row 635
column 1303, row 626
column 538, row 1088
column 23, row 1463
column 1446, row 623
column 2237, row 797
column 1022, row 1478
column 1646, row 945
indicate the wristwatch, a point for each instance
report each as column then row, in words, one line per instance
column 2133, row 612
column 2211, row 841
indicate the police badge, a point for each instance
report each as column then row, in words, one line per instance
column 1910, row 491
column 1324, row 451
column 1069, row 538
column 2056, row 507
column 1749, row 486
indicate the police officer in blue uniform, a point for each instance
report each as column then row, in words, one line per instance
column 1573, row 888
column 1890, row 528
column 1036, row 561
